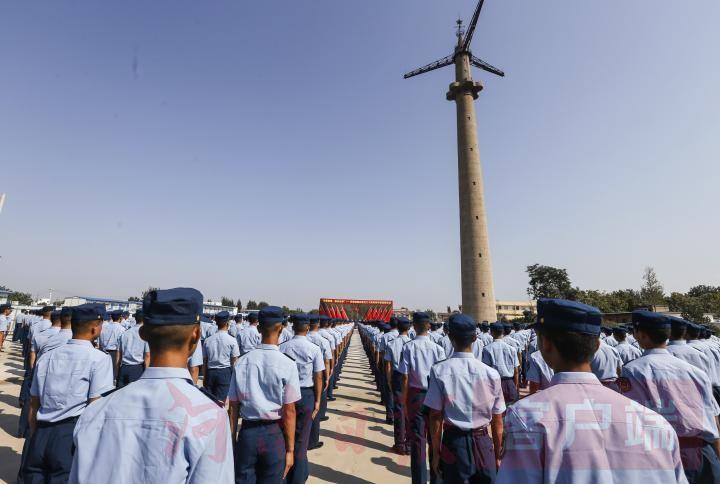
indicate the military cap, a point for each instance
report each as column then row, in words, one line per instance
column 403, row 323
column 237, row 317
column 180, row 305
column 47, row 309
column 205, row 319
column 222, row 316
column 66, row 311
column 55, row 315
column 270, row 315
column 461, row 325
column 484, row 325
column 676, row 322
column 421, row 317
column 619, row 330
column 393, row 322
column 314, row 318
column 252, row 317
column 139, row 314
column 648, row 319
column 3, row 307
column 88, row 312
column 496, row 326
column 570, row 316
column 300, row 318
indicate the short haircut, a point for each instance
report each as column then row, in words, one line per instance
column 657, row 336
column 167, row 337
column 619, row 335
column 83, row 326
column 497, row 332
column 692, row 332
column 115, row 317
column 267, row 329
column 572, row 347
column 462, row 340
column 300, row 325
column 222, row 324
column 678, row 331
column 422, row 325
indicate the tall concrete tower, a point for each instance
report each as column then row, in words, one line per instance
column 478, row 293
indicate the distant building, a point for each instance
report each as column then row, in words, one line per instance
column 131, row 306
column 4, row 296
column 513, row 309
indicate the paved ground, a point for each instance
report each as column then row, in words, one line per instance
column 357, row 440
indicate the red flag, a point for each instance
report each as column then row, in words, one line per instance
column 343, row 313
column 388, row 314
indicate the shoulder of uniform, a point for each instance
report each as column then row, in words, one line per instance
column 207, row 393
column 290, row 357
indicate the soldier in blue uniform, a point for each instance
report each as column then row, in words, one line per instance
column 109, row 338
column 221, row 352
column 624, row 349
column 504, row 358
column 66, row 381
column 249, row 338
column 324, row 345
column 308, row 358
column 263, row 392
column 465, row 398
column 393, row 353
column 418, row 357
column 134, row 353
column 161, row 428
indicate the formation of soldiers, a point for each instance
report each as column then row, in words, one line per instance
column 635, row 403
column 110, row 397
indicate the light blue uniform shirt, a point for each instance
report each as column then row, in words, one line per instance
column 249, row 339
column 263, row 381
column 393, row 350
column 38, row 326
column 680, row 349
column 627, row 352
column 108, row 340
column 308, row 358
column 40, row 339
column 56, row 341
column 4, row 323
column 676, row 390
column 467, row 392
column 219, row 349
column 502, row 357
column 133, row 347
column 331, row 339
column 159, row 429
column 712, row 356
column 605, row 362
column 196, row 359
column 418, row 357
column 286, row 335
column 207, row 330
column 477, row 347
column 485, row 338
column 314, row 336
column 67, row 377
column 539, row 371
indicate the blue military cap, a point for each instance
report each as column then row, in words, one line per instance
column 676, row 322
column 116, row 313
column 3, row 307
column 66, row 311
column 619, row 330
column 205, row 319
column 313, row 318
column 270, row 315
column 47, row 309
column 252, row 317
column 648, row 319
column 324, row 317
column 88, row 312
column 181, row 305
column 570, row 316
column 496, row 326
column 461, row 325
column 55, row 315
column 300, row 318
column 421, row 317
column 484, row 325
column 222, row 316
column 403, row 323
column 393, row 322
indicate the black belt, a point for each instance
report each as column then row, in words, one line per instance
column 132, row 364
column 248, row 424
column 506, row 378
column 482, row 431
column 307, row 388
column 42, row 424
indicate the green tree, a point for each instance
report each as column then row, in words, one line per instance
column 547, row 281
column 262, row 304
column 239, row 305
column 134, row 299
column 149, row 289
column 652, row 292
column 251, row 305
column 22, row 298
column 226, row 301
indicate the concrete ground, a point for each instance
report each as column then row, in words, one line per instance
column 357, row 440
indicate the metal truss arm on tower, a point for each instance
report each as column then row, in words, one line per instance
column 445, row 61
column 471, row 27
column 486, row 67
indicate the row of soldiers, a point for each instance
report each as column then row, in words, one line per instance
column 114, row 398
column 635, row 403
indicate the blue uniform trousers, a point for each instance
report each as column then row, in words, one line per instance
column 303, row 409
column 113, row 357
column 315, row 430
column 260, row 453
column 217, row 382
column 25, row 403
column 50, row 453
column 399, row 413
column 700, row 462
column 509, row 389
column 128, row 374
column 418, row 437
column 467, row 456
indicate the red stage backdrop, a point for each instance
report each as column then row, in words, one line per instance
column 357, row 309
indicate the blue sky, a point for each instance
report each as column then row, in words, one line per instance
column 272, row 150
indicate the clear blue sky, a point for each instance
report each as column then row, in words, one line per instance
column 272, row 150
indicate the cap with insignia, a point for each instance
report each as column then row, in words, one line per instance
column 222, row 316
column 88, row 312
column 461, row 325
column 403, row 323
column 421, row 317
column 299, row 318
column 181, row 305
column 648, row 319
column 270, row 315
column 66, row 311
column 314, row 318
column 570, row 316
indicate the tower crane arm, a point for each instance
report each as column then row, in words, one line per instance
column 445, row 61
column 471, row 28
column 485, row 66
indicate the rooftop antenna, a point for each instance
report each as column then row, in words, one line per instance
column 478, row 293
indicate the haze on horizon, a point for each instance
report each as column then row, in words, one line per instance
column 272, row 150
